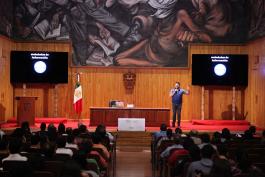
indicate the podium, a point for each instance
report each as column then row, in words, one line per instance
column 131, row 124
column 26, row 110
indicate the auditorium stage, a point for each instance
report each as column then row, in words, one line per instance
column 200, row 125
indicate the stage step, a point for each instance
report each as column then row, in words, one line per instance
column 130, row 138
column 54, row 120
column 220, row 122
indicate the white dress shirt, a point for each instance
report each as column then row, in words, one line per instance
column 15, row 157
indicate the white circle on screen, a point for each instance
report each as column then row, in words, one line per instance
column 40, row 67
column 220, row 69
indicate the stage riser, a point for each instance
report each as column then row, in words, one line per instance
column 142, row 139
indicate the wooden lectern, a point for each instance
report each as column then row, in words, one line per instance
column 26, row 110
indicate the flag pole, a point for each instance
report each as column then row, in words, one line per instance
column 79, row 113
column 78, row 97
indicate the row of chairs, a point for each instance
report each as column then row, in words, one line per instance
column 55, row 165
column 23, row 169
column 34, row 174
column 160, row 167
column 155, row 153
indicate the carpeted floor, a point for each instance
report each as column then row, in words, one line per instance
column 133, row 162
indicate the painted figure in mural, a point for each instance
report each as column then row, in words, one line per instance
column 40, row 19
column 6, row 18
column 105, row 46
column 214, row 16
column 179, row 22
column 256, row 18
column 80, row 27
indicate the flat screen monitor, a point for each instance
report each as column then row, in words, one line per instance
column 38, row 67
column 220, row 69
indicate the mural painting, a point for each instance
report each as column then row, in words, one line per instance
column 152, row 33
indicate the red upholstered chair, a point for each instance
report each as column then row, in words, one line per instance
column 177, row 155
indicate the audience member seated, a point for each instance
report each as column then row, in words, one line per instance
column 203, row 166
column 14, row 150
column 82, row 129
column 263, row 137
column 81, row 137
column 248, row 136
column 42, row 131
column 35, row 140
column 76, row 132
column 167, row 151
column 43, row 140
column 48, row 150
column 26, row 130
column 2, row 133
column 162, row 132
column 244, row 165
column 3, row 144
column 177, row 160
column 94, row 154
column 105, row 136
column 226, row 135
column 220, row 168
column 85, row 163
column 222, row 151
column 61, row 129
column 176, row 155
column 70, row 139
column 169, row 136
column 52, row 133
column 97, row 144
column 253, row 130
column 195, row 153
column 195, row 137
column 216, row 138
column 180, row 158
column 103, row 163
column 205, row 137
column 187, row 142
column 61, row 143
column 178, row 133
column 18, row 133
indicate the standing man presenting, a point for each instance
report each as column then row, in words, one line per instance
column 176, row 94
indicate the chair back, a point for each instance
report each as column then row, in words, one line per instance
column 53, row 166
column 42, row 174
column 17, row 168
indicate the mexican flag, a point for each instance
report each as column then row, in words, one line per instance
column 78, row 98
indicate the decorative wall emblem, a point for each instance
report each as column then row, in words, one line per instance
column 129, row 80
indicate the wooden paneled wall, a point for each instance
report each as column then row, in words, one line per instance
column 6, row 90
column 151, row 89
column 255, row 93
